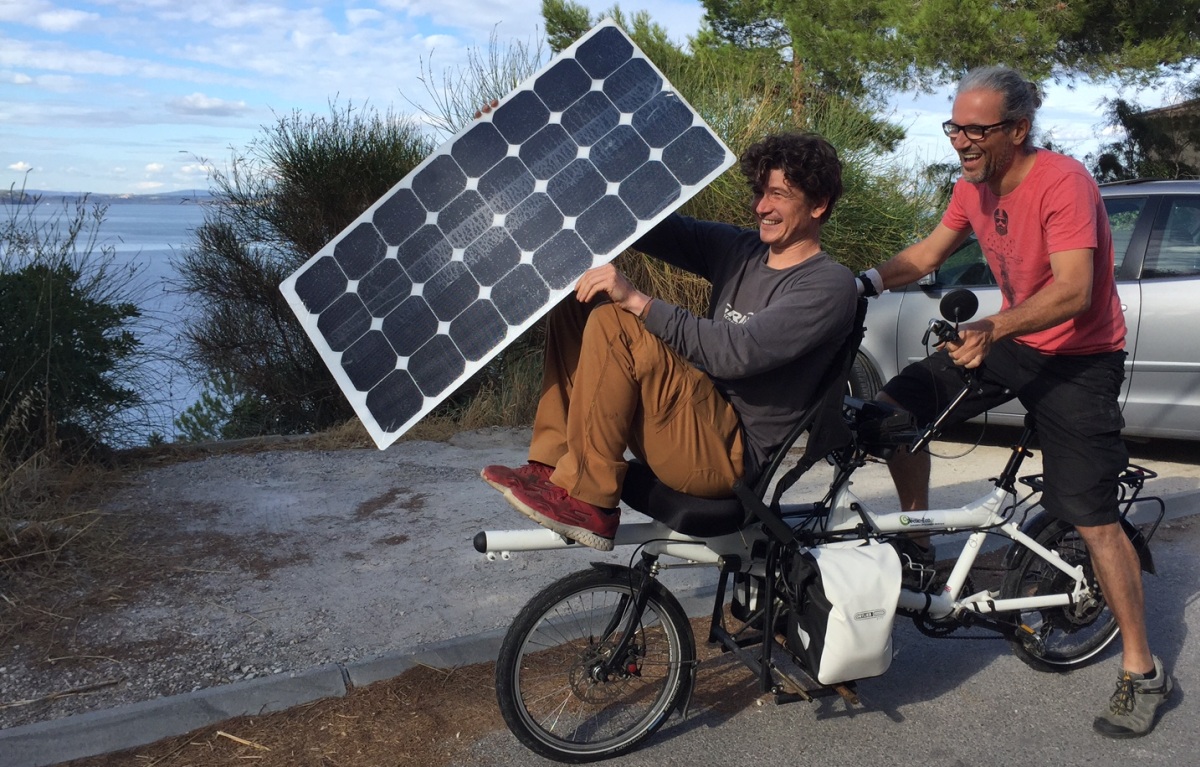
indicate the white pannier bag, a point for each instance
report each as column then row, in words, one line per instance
column 841, row 627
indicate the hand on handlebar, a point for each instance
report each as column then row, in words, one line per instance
column 973, row 344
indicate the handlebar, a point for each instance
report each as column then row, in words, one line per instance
column 945, row 332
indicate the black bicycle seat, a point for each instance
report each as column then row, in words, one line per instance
column 683, row 513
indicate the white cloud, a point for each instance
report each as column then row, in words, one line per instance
column 63, row 20
column 516, row 18
column 20, row 10
column 13, row 10
column 439, row 42
column 148, row 186
column 56, row 83
column 199, row 104
column 196, row 169
column 155, row 167
column 357, row 16
column 20, row 166
column 59, row 57
column 44, row 16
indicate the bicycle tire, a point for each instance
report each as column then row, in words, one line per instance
column 546, row 682
column 1062, row 637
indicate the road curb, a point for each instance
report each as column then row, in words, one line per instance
column 44, row 744
column 101, row 732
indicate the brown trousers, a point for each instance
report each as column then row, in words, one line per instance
column 609, row 384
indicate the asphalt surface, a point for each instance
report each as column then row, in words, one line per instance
column 964, row 700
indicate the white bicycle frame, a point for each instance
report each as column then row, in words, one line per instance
column 983, row 516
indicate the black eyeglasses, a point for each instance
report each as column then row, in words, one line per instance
column 973, row 132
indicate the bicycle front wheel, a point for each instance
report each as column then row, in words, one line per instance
column 562, row 691
column 1059, row 638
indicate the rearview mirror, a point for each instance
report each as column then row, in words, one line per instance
column 959, row 305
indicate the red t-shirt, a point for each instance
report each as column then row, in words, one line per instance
column 1057, row 207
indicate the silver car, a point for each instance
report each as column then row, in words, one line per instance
column 1156, row 237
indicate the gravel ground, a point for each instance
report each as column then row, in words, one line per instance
column 273, row 562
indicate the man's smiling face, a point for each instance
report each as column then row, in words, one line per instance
column 785, row 215
column 990, row 157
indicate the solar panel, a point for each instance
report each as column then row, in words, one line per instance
column 496, row 226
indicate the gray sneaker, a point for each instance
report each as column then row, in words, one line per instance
column 1130, row 712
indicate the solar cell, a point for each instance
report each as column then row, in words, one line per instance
column 495, row 227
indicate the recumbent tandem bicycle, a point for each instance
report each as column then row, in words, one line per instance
column 807, row 592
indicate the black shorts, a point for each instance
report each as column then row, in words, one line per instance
column 1074, row 403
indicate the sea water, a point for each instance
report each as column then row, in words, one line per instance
column 150, row 237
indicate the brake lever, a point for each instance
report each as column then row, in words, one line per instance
column 944, row 331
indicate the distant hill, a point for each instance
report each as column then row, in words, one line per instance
column 156, row 198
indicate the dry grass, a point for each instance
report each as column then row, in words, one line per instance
column 426, row 716
column 666, row 282
column 59, row 552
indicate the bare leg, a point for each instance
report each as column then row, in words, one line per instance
column 1119, row 572
column 910, row 474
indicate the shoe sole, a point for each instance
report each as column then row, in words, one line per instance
column 578, row 534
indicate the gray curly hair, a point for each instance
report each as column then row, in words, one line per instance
column 1021, row 97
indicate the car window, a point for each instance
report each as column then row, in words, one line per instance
column 966, row 267
column 1174, row 249
column 1123, row 214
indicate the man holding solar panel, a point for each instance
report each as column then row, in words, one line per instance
column 703, row 401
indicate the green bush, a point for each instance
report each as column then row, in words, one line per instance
column 67, row 350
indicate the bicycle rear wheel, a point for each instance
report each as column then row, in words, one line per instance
column 550, row 679
column 1060, row 637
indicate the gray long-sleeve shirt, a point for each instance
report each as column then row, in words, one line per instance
column 769, row 333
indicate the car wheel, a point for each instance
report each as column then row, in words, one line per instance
column 864, row 380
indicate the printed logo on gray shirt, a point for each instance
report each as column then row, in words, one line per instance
column 736, row 317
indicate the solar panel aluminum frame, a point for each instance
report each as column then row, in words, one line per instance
column 402, row 252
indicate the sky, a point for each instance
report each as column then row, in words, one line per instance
column 143, row 96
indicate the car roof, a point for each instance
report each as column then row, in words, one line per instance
column 1141, row 186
